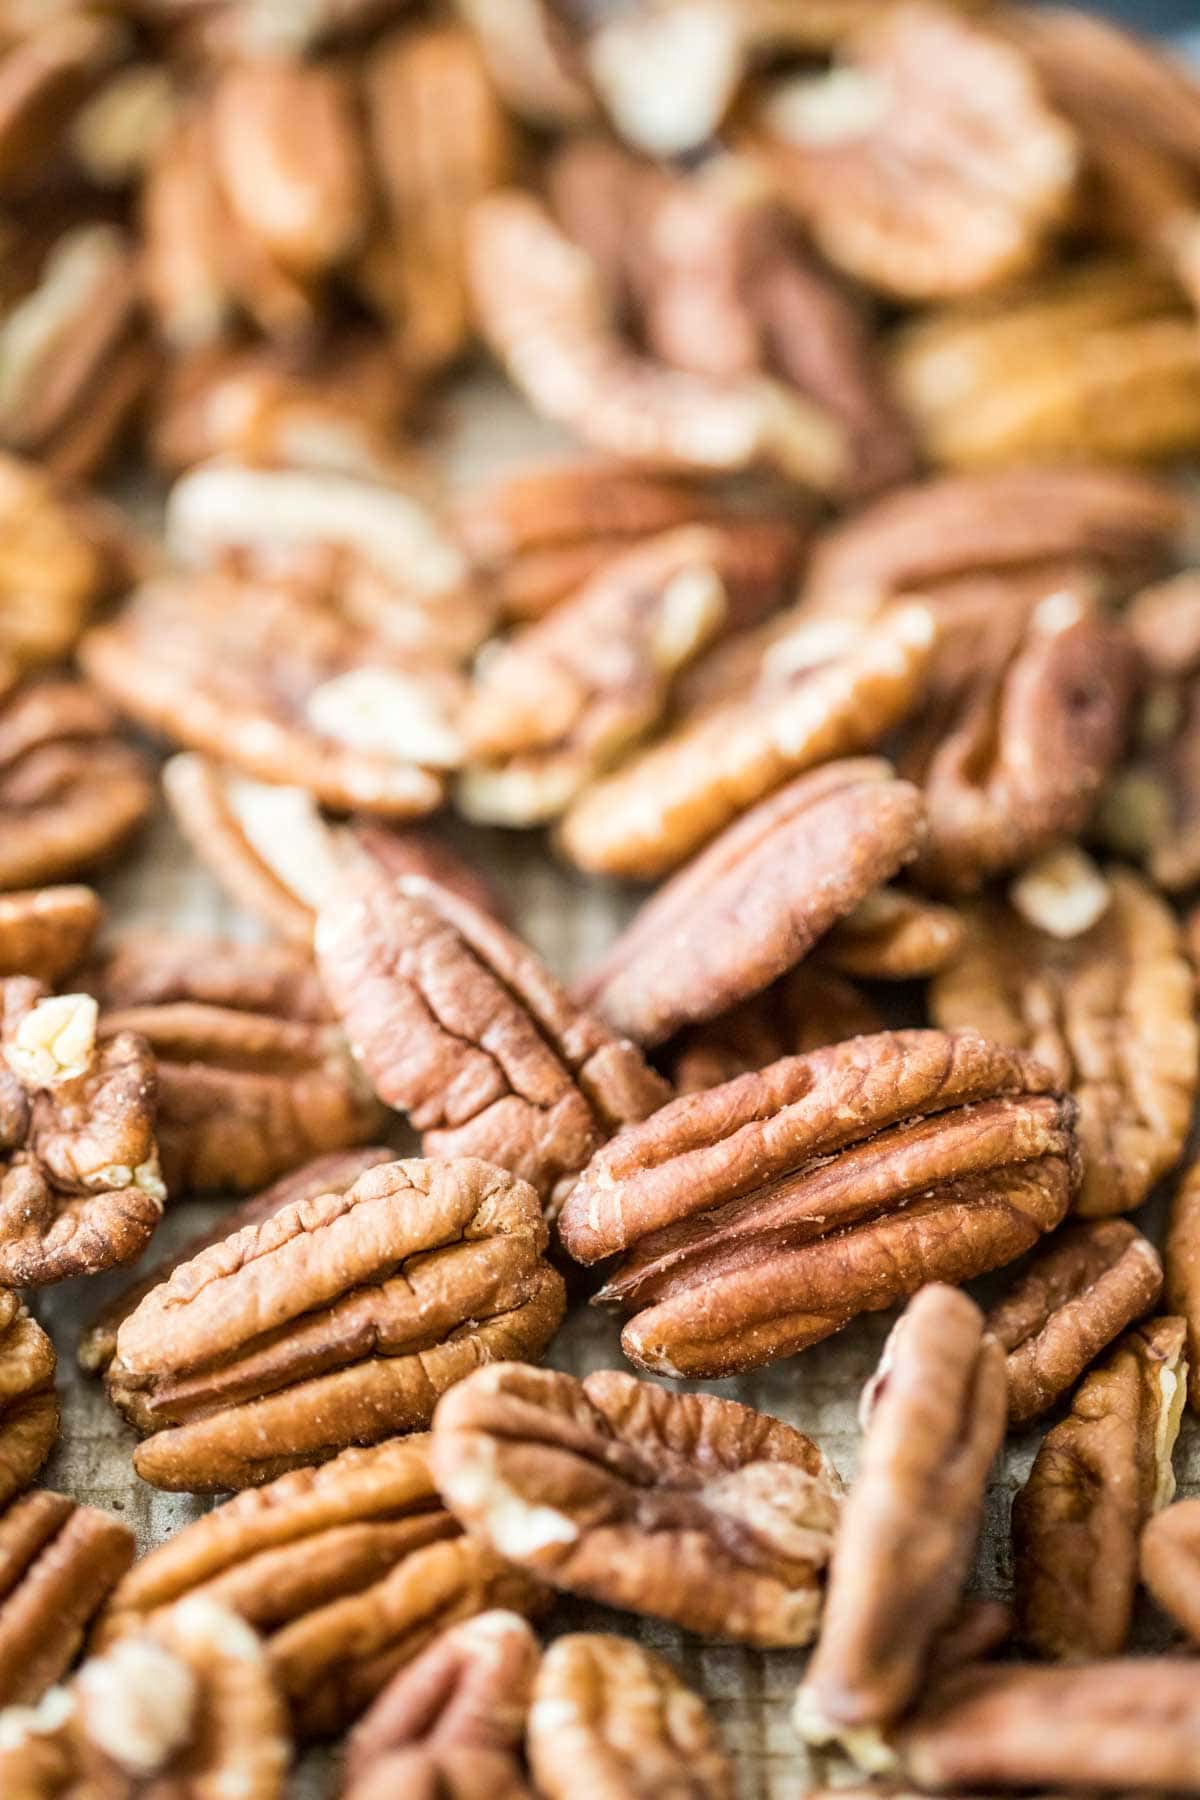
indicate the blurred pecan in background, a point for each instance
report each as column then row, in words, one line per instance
column 61, row 552
column 804, row 1010
column 894, row 935
column 29, row 1415
column 1182, row 1260
column 681, row 1506
column 58, row 1562
column 45, row 932
column 1169, row 1563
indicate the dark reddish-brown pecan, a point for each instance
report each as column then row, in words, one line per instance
column 82, row 1189
column 1109, row 1010
column 454, row 1720
column 809, row 1008
column 45, row 932
column 336, row 1321
column 1169, row 1562
column 1182, row 1261
column 613, row 1720
column 1097, row 1478
column 70, row 792
column 1075, row 1296
column 681, row 1506
column 933, row 1422
column 460, row 1025
column 764, row 1214
column 58, row 1563
column 29, row 1414
column 753, row 904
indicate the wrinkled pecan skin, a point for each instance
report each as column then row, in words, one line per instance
column 58, row 1562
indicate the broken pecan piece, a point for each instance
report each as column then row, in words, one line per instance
column 338, row 1320
column 933, row 1422
column 58, row 1563
column 1169, row 1560
column 1097, row 1478
column 766, row 1213
column 1077, row 1294
column 680, row 1506
column 462, row 1027
column 46, row 932
column 612, row 1719
column 29, row 1415
column 752, row 904
column 805, row 1010
column 1109, row 1011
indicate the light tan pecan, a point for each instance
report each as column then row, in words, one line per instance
column 801, row 696
column 1110, row 1011
column 529, row 60
column 1097, row 1478
column 752, row 904
column 894, row 935
column 187, row 1709
column 680, row 1506
column 278, row 684
column 81, row 1189
column 806, row 1009
column 614, row 1720
column 1077, row 1294
column 219, row 30
column 55, row 562
column 29, row 1415
column 933, row 1419
column 338, row 1320
column 764, row 1214
column 453, row 1720
column 1169, row 1563
column 71, row 793
column 1095, row 363
column 925, row 162
column 461, row 1026
column 46, row 932
column 1182, row 1260
column 58, row 1563
column 348, row 1571
column 158, row 968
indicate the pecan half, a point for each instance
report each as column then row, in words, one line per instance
column 1169, row 1560
column 461, row 1026
column 45, row 932
column 752, row 904
column 805, row 1010
column 893, row 935
column 1110, row 1011
column 189, row 1708
column 81, row 1189
column 614, row 1719
column 70, row 792
column 926, row 162
column 54, row 564
column 680, row 1506
column 338, row 1320
column 58, row 1563
column 801, row 697
column 269, row 678
column 453, row 1720
column 1075, row 1296
column 1097, row 1478
column 766, row 1213
column 29, row 1415
column 1182, row 1260
column 909, row 1527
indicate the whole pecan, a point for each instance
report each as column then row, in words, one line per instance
column 801, row 697
column 612, row 1719
column 768, row 1212
column 82, row 1189
column 680, row 1506
column 1109, row 1011
column 29, row 1414
column 1097, row 1478
column 453, row 1720
column 1182, row 1261
column 805, row 1010
column 894, row 935
column 58, row 1562
column 750, row 906
column 933, row 1422
column 461, row 1026
column 338, row 1320
column 1077, row 1294
column 45, row 932
column 70, row 792
column 188, row 1708
column 1168, row 1563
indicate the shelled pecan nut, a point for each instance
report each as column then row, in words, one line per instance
column 454, row 1718
column 58, row 1563
column 1078, row 1293
column 1097, row 1478
column 909, row 1526
column 764, row 1214
column 29, row 1415
column 46, row 932
column 805, row 1010
column 338, row 1320
column 613, row 1716
column 1168, row 1563
column 807, row 697
column 680, row 1506
column 1182, row 1261
column 160, row 968
column 894, row 935
column 82, row 1189
column 51, row 64
column 459, row 1025
column 751, row 906
column 54, row 564
column 187, row 1707
column 1109, row 1011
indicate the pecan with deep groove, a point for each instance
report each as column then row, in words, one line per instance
column 58, row 1563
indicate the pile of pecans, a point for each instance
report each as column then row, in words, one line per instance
column 860, row 627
